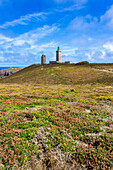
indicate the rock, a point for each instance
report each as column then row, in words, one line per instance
column 74, row 103
column 79, row 143
column 87, row 111
column 105, row 128
column 95, row 135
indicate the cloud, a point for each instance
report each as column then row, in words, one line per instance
column 2, row 59
column 20, row 59
column 90, row 24
column 75, row 1
column 49, row 45
column 108, row 46
column 29, row 39
column 89, row 39
column 90, row 55
column 83, row 23
column 76, row 4
column 100, row 54
column 24, row 20
column 27, row 48
column 70, row 8
column 34, row 36
column 67, row 53
column 4, row 39
column 85, row 37
column 107, row 18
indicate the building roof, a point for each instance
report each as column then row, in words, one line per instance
column 58, row 48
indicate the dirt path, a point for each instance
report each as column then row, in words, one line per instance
column 107, row 71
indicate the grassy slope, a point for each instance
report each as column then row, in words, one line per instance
column 57, row 126
column 39, row 124
column 61, row 74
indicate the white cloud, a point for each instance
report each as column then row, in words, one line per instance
column 75, row 1
column 34, row 36
column 83, row 23
column 24, row 20
column 27, row 40
column 4, row 39
column 28, row 47
column 89, row 24
column 103, row 54
column 108, row 46
column 78, row 46
column 1, row 57
column 89, row 39
column 107, row 18
column 89, row 56
column 70, row 8
column 77, row 4
column 68, row 52
column 18, row 42
column 43, row 47
column 92, row 55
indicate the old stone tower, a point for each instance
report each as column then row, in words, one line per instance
column 58, row 54
column 43, row 59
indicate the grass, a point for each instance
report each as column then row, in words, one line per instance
column 57, row 117
column 62, row 74
column 36, row 120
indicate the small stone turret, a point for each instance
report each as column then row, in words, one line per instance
column 43, row 59
column 58, row 54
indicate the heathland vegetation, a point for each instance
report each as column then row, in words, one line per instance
column 57, row 117
column 63, row 74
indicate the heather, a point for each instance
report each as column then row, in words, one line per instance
column 56, row 126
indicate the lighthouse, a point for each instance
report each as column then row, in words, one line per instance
column 58, row 55
column 58, row 58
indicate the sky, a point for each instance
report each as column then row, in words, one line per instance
column 82, row 28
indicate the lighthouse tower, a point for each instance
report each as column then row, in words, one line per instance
column 58, row 55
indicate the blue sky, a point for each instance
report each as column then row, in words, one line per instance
column 82, row 28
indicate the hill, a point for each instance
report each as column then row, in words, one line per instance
column 63, row 74
column 48, row 125
column 9, row 71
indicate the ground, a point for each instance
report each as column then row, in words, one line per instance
column 56, row 126
column 63, row 74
